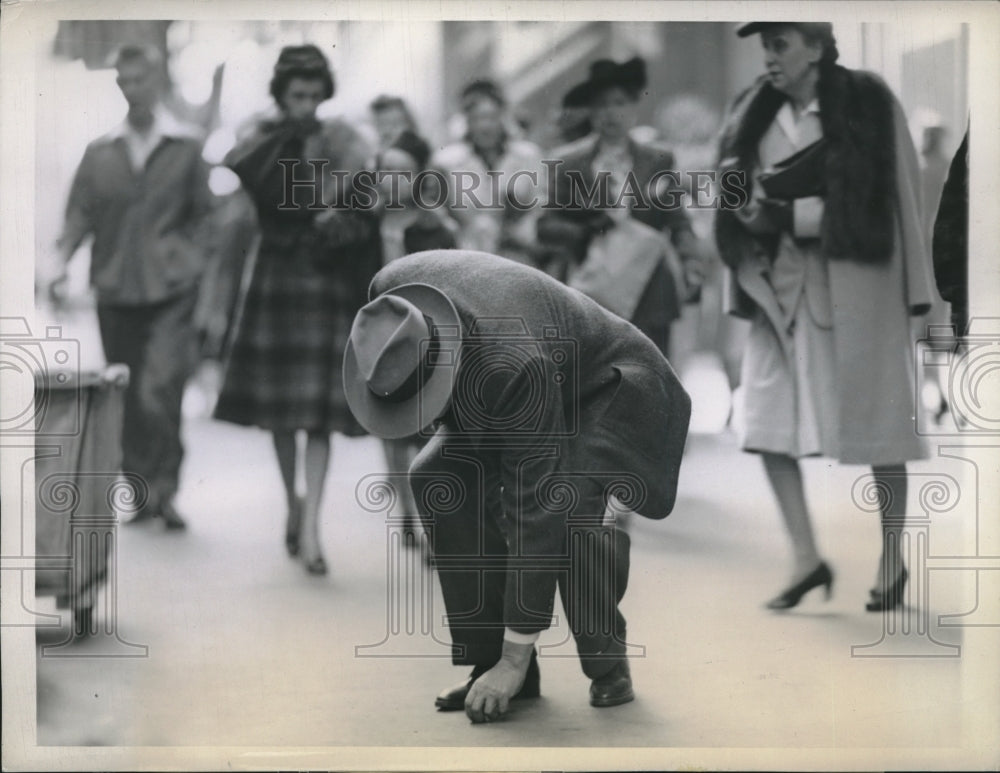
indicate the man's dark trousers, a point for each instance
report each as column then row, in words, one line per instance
column 159, row 344
column 458, row 494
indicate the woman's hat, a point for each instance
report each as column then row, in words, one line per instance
column 818, row 30
column 628, row 76
column 401, row 360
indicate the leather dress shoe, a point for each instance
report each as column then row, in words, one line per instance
column 614, row 688
column 453, row 699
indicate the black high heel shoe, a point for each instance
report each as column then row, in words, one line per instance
column 790, row 597
column 292, row 527
column 891, row 597
column 317, row 566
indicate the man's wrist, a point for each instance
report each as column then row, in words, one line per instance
column 514, row 637
column 517, row 654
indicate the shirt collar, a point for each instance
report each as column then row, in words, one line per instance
column 789, row 123
column 165, row 124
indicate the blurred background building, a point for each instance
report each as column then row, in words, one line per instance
column 218, row 74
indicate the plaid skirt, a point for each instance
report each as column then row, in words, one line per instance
column 284, row 365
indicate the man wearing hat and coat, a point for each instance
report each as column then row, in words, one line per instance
column 548, row 414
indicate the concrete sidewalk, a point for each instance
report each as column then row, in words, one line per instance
column 245, row 649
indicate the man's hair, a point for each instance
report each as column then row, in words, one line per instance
column 137, row 52
column 385, row 102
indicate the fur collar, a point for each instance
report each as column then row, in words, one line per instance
column 856, row 110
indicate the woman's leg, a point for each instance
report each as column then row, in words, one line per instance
column 890, row 482
column 284, row 447
column 317, row 463
column 785, row 477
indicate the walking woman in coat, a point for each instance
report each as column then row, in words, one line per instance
column 829, row 279
column 626, row 176
column 283, row 370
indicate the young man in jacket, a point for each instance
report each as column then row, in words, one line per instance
column 141, row 191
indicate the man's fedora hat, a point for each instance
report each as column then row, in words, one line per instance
column 401, row 360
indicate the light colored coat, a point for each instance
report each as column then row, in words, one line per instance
column 869, row 308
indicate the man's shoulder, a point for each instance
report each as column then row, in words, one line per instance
column 456, row 268
column 106, row 139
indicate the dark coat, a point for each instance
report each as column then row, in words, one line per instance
column 148, row 225
column 312, row 270
column 601, row 409
column 951, row 239
column 659, row 305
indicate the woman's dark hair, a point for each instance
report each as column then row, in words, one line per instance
column 386, row 102
column 822, row 33
column 305, row 62
column 482, row 88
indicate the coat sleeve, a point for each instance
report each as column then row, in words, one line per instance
column 199, row 226
column 79, row 218
column 674, row 218
column 920, row 291
column 951, row 237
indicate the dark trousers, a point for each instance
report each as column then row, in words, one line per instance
column 458, row 494
column 159, row 344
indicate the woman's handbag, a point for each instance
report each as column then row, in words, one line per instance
column 801, row 175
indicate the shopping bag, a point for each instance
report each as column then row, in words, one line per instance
column 619, row 264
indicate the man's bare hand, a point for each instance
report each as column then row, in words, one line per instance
column 490, row 694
